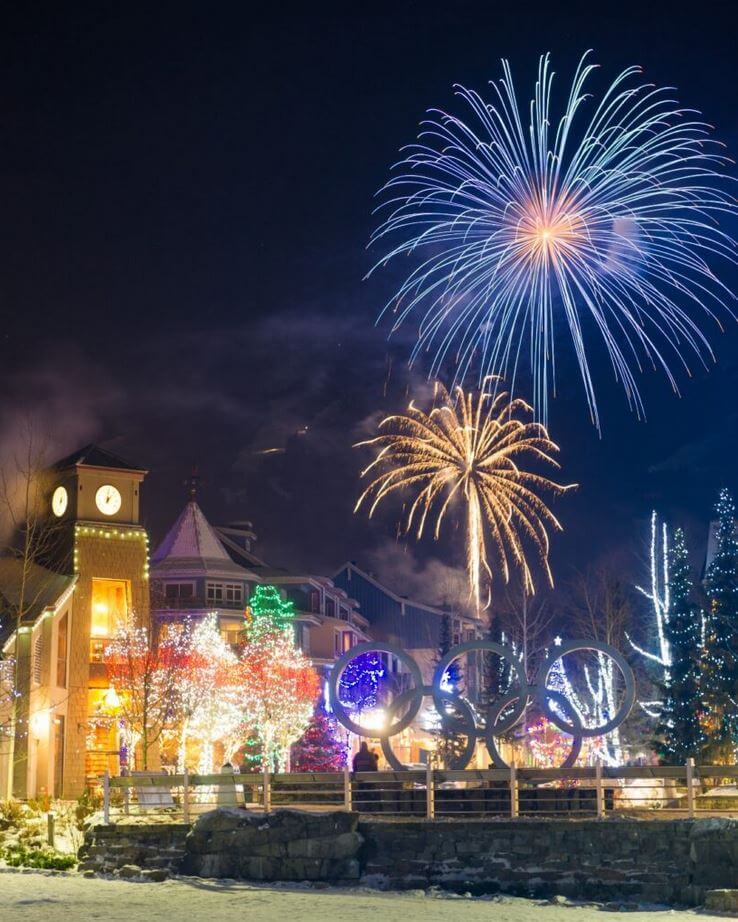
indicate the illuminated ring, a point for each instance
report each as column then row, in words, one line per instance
column 467, row 722
column 340, row 665
column 488, row 645
column 629, row 693
column 492, row 730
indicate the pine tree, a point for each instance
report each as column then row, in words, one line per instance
column 268, row 612
column 319, row 749
column 720, row 660
column 453, row 676
column 679, row 732
column 449, row 745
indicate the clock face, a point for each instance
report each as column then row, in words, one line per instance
column 108, row 500
column 59, row 501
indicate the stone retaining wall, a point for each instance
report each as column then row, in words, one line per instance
column 666, row 861
column 152, row 852
column 663, row 861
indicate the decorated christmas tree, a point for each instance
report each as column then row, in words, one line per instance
column 679, row 731
column 720, row 662
column 277, row 683
column 319, row 749
column 268, row 612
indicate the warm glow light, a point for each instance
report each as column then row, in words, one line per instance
column 40, row 722
column 375, row 719
column 111, row 700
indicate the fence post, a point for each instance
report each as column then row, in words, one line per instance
column 267, row 792
column 126, row 794
column 106, row 798
column 50, row 827
column 513, row 791
column 186, row 795
column 346, row 788
column 599, row 791
column 690, row 787
column 430, row 804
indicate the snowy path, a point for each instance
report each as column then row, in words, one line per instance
column 30, row 896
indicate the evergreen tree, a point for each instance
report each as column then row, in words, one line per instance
column 449, row 744
column 319, row 749
column 679, row 732
column 268, row 612
column 720, row 660
column 453, row 676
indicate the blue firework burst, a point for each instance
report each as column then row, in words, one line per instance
column 609, row 216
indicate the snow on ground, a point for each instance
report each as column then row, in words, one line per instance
column 36, row 896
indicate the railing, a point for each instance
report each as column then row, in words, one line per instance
column 596, row 792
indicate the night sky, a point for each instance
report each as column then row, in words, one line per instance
column 186, row 196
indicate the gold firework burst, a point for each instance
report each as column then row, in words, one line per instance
column 471, row 447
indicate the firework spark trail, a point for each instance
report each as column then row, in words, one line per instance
column 614, row 218
column 470, row 447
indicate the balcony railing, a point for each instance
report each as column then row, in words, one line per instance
column 197, row 603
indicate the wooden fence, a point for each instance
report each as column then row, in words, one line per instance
column 598, row 792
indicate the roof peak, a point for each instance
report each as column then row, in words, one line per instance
column 193, row 541
column 93, row 455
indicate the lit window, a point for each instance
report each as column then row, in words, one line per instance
column 349, row 640
column 38, row 658
column 232, row 636
column 61, row 652
column 109, row 606
column 97, row 648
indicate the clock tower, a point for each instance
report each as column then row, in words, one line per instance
column 95, row 495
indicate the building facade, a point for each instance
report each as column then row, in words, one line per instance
column 200, row 569
column 94, row 572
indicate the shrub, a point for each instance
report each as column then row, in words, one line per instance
column 11, row 813
column 40, row 804
column 18, row 856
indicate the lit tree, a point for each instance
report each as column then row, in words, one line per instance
column 268, row 612
column 358, row 687
column 659, row 594
column 679, row 731
column 319, row 749
column 602, row 612
column 277, row 684
column 208, row 692
column 145, row 673
column 719, row 679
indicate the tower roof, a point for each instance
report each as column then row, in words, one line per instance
column 94, row 456
column 192, row 547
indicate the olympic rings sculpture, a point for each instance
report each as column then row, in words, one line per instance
column 504, row 713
